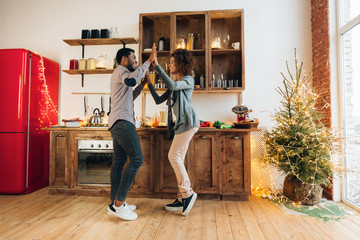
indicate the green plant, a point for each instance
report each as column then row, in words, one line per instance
column 300, row 144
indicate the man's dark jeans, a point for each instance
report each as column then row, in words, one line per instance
column 126, row 143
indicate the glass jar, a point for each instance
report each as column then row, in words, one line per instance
column 73, row 64
column 100, row 62
column 152, row 77
column 198, row 42
column 82, row 64
column 202, row 81
column 181, row 43
column 163, row 116
column 90, row 63
column 216, row 41
column 190, row 41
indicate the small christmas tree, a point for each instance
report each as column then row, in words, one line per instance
column 299, row 145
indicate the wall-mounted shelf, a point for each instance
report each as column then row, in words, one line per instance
column 100, row 41
column 95, row 41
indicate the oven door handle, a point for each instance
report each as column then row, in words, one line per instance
column 95, row 151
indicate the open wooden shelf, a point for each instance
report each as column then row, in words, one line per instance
column 92, row 71
column 100, row 41
column 203, row 90
column 195, row 52
column 225, row 51
column 175, row 27
column 159, row 53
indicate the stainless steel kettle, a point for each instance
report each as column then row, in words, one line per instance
column 96, row 117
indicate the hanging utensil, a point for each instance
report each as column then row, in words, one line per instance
column 109, row 106
column 85, row 106
column 102, row 113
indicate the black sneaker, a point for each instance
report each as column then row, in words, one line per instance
column 175, row 206
column 188, row 203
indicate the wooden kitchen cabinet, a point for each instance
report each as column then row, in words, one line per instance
column 202, row 163
column 217, row 161
column 235, row 165
column 144, row 180
column 58, row 156
column 228, row 25
column 165, row 175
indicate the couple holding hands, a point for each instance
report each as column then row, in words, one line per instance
column 122, row 125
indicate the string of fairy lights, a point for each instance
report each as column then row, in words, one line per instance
column 46, row 104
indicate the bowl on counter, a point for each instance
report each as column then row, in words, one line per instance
column 246, row 125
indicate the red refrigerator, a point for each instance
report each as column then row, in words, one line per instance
column 29, row 91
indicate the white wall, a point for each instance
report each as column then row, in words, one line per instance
column 272, row 30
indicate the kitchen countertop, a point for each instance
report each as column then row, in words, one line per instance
column 202, row 129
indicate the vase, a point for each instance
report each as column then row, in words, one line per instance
column 296, row 190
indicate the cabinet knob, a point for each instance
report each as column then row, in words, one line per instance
column 60, row 135
column 235, row 137
column 202, row 137
column 142, row 137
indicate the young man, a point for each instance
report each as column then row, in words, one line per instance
column 123, row 131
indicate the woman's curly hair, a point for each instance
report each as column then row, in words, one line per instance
column 184, row 61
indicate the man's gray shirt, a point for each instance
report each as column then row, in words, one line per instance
column 122, row 95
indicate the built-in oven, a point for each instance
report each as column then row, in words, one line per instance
column 94, row 161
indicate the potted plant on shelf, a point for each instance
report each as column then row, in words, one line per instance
column 300, row 146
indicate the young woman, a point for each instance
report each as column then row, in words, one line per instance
column 187, row 123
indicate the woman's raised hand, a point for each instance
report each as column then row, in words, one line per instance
column 155, row 61
column 147, row 78
column 153, row 53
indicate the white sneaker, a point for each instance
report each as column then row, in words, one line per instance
column 131, row 207
column 122, row 212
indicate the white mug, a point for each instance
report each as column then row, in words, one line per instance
column 236, row 45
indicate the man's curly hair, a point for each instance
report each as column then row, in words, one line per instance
column 184, row 61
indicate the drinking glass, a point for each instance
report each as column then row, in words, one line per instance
column 163, row 115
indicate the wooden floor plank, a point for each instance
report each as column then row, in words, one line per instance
column 112, row 227
column 293, row 222
column 173, row 226
column 44, row 216
column 354, row 214
column 329, row 231
column 237, row 224
column 155, row 219
column 252, row 227
column 208, row 229
column 346, row 234
column 195, row 224
column 24, row 217
column 144, row 211
column 24, row 204
column 78, row 216
column 263, row 221
column 278, row 221
column 313, row 230
column 43, row 222
column 222, row 222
